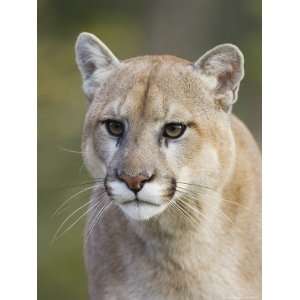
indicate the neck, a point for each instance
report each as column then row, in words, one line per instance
column 180, row 228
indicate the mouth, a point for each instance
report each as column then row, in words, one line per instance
column 141, row 210
column 139, row 202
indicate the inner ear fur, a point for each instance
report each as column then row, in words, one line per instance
column 94, row 61
column 223, row 67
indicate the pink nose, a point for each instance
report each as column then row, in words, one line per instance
column 135, row 183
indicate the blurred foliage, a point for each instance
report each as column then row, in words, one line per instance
column 130, row 28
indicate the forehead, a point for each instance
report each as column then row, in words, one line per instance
column 155, row 90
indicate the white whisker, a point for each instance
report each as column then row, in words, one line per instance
column 58, row 210
column 96, row 220
column 56, row 235
column 70, row 150
column 188, row 216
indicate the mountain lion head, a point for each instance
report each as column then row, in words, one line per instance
column 158, row 128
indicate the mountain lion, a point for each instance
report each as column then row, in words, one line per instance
column 175, row 209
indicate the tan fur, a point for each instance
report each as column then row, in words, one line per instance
column 209, row 247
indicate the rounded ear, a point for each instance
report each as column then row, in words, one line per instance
column 94, row 61
column 223, row 68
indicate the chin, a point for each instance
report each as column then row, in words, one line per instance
column 139, row 210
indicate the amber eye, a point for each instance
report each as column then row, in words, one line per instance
column 173, row 130
column 114, row 128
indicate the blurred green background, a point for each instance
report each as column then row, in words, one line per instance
column 129, row 28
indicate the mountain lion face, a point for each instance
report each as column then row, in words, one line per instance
column 158, row 126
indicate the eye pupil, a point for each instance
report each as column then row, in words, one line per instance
column 174, row 130
column 114, row 128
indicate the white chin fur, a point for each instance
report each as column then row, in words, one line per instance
column 141, row 211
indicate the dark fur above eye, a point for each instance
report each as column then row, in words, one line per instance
column 174, row 130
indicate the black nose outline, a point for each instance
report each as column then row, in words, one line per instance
column 131, row 183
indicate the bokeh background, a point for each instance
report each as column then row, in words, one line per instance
column 129, row 28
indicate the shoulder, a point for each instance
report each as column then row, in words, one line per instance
column 243, row 137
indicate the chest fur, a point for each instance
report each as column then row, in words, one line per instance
column 146, row 272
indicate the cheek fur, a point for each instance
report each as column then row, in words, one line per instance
column 203, row 168
column 92, row 162
column 176, row 155
column 108, row 150
column 97, row 160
